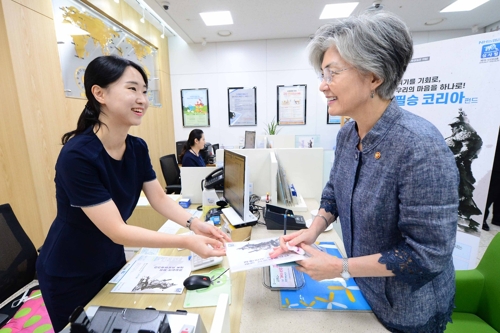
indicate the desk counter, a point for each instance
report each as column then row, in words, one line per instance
column 254, row 308
column 262, row 309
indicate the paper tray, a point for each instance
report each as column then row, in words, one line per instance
column 298, row 278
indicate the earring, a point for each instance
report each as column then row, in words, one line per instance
column 372, row 93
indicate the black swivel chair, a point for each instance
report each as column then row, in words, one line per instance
column 215, row 147
column 17, row 261
column 171, row 173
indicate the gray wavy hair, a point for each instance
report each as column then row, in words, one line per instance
column 373, row 42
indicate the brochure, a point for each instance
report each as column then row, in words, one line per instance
column 253, row 254
column 155, row 274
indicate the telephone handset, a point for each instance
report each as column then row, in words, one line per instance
column 215, row 179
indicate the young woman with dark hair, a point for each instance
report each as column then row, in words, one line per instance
column 190, row 156
column 100, row 173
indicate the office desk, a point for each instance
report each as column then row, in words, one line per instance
column 262, row 309
column 173, row 302
column 254, row 308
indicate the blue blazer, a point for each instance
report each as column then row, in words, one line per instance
column 399, row 197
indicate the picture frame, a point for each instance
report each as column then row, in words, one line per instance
column 291, row 104
column 242, row 106
column 336, row 120
column 195, row 107
column 307, row 141
column 344, row 120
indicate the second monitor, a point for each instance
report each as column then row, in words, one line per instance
column 236, row 190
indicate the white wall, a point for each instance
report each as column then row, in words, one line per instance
column 261, row 63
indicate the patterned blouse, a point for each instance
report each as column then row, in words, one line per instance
column 399, row 197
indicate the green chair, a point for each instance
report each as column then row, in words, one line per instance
column 477, row 299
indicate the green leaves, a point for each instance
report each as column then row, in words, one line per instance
column 272, row 128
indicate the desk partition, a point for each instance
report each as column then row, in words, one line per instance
column 191, row 178
column 303, row 167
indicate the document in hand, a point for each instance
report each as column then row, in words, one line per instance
column 243, row 256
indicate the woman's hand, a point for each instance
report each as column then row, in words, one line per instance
column 307, row 236
column 206, row 229
column 320, row 265
column 205, row 246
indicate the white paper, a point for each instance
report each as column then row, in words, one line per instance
column 282, row 276
column 169, row 227
column 253, row 254
column 155, row 274
column 150, row 251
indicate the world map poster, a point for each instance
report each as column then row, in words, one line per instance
column 96, row 36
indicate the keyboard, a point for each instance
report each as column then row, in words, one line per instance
column 198, row 262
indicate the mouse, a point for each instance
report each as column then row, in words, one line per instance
column 197, row 282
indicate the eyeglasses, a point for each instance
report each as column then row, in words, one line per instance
column 327, row 74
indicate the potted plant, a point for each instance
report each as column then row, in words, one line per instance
column 272, row 128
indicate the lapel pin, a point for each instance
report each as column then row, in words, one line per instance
column 377, row 155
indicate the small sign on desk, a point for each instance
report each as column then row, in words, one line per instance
column 236, row 234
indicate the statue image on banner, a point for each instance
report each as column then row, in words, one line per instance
column 465, row 144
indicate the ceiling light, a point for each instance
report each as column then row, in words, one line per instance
column 217, row 18
column 463, row 5
column 224, row 33
column 338, row 10
column 435, row 21
column 142, row 18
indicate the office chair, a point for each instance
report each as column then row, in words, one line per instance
column 18, row 254
column 477, row 298
column 17, row 264
column 179, row 146
column 215, row 147
column 171, row 173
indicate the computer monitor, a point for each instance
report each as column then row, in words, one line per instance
column 249, row 139
column 236, row 190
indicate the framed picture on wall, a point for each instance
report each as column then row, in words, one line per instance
column 242, row 106
column 195, row 111
column 344, row 120
column 332, row 119
column 292, row 104
column 307, row 141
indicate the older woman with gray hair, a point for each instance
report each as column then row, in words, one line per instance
column 393, row 184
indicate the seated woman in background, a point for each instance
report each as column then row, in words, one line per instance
column 190, row 156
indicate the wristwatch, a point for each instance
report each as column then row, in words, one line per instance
column 345, row 270
column 188, row 223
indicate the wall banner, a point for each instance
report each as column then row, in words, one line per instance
column 454, row 84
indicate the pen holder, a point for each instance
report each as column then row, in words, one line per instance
column 274, row 218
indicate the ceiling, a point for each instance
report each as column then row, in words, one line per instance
column 271, row 19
